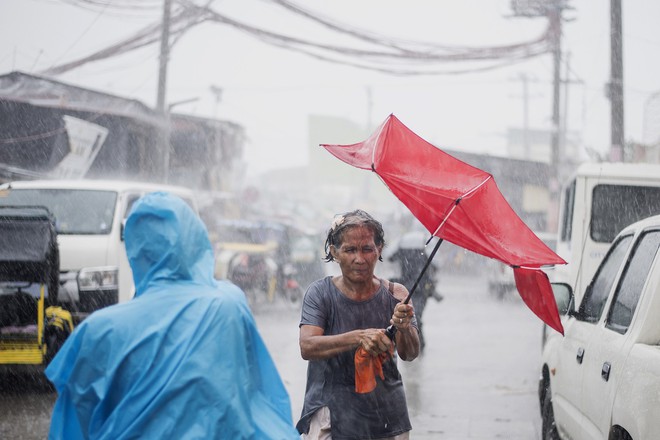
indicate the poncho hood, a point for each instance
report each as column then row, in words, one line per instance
column 165, row 242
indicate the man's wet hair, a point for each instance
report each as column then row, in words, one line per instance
column 343, row 222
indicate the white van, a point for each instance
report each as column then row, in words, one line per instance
column 89, row 216
column 596, row 204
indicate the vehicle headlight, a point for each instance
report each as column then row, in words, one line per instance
column 95, row 278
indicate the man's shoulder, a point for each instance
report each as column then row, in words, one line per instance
column 321, row 286
column 322, row 282
column 399, row 291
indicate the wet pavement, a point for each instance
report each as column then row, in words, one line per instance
column 476, row 379
column 25, row 406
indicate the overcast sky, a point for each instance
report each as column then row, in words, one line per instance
column 270, row 90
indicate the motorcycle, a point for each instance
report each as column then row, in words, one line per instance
column 290, row 289
column 254, row 274
column 262, row 279
column 257, row 256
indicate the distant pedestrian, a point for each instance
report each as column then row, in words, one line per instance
column 182, row 360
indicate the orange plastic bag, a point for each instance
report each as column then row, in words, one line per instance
column 367, row 367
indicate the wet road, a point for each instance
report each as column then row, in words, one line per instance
column 476, row 380
column 25, row 407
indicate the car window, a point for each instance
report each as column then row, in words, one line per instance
column 632, row 282
column 616, row 206
column 567, row 220
column 594, row 300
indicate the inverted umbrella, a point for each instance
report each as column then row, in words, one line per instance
column 458, row 203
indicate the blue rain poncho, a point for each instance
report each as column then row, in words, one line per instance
column 182, row 360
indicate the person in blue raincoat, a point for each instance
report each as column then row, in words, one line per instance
column 182, row 360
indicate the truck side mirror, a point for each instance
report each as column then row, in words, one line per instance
column 564, row 298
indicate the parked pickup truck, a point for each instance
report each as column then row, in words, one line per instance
column 602, row 379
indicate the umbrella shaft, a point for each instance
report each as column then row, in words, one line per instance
column 426, row 266
column 390, row 331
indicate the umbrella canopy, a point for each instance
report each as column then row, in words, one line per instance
column 459, row 203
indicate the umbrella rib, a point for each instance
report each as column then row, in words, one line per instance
column 373, row 152
column 444, row 220
column 534, row 267
column 457, row 201
column 477, row 187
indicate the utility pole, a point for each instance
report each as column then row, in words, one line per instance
column 162, row 86
column 164, row 56
column 564, row 119
column 526, row 147
column 555, row 17
column 526, row 137
column 615, row 89
column 552, row 10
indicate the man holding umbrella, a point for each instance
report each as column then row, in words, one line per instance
column 342, row 334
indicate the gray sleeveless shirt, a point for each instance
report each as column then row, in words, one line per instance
column 331, row 382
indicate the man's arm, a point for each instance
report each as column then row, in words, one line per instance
column 314, row 345
column 407, row 336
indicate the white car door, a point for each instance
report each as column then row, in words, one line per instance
column 566, row 383
column 611, row 342
column 606, row 355
column 566, row 377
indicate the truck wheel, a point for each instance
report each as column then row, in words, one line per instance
column 548, row 426
column 618, row 433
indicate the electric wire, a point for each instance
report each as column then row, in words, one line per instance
column 375, row 38
column 390, row 56
column 181, row 21
column 84, row 32
column 387, row 57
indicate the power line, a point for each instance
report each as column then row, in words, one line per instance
column 120, row 8
column 181, row 21
column 98, row 16
column 388, row 56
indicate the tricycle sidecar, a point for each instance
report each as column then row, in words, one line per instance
column 32, row 325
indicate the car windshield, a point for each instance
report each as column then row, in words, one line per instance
column 76, row 211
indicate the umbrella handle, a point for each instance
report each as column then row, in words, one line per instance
column 390, row 331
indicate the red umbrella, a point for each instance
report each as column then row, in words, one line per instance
column 459, row 203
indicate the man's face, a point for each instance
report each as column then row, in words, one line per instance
column 357, row 254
